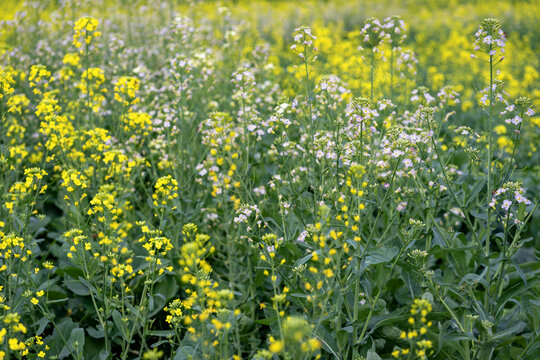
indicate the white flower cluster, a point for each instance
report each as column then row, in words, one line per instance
column 243, row 78
column 422, row 95
column 516, row 111
column 361, row 113
column 396, row 29
column 510, row 194
column 332, row 91
column 302, row 236
column 490, row 39
column 406, row 63
column 499, row 95
column 373, row 33
column 244, row 81
column 303, row 40
column 244, row 212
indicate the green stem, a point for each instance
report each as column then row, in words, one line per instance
column 449, row 185
column 372, row 71
column 489, row 180
column 311, row 131
column 361, row 255
column 391, row 74
column 461, row 328
column 374, row 302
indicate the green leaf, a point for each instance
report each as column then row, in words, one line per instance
column 519, row 271
column 77, row 288
column 161, row 333
column 42, row 325
column 472, row 196
column 95, row 333
column 120, row 324
column 89, row 285
column 381, row 255
column 472, row 278
column 372, row 355
column 184, row 353
column 515, row 290
column 513, row 330
column 133, row 310
column 266, row 321
column 55, row 340
column 348, row 329
column 481, row 216
column 328, row 341
column 71, row 271
column 75, row 342
column 303, row 260
column 57, row 301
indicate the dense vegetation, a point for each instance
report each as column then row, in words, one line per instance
column 269, row 180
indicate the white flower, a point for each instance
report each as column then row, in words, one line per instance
column 401, row 206
column 521, row 199
column 516, row 120
column 302, row 236
column 407, row 163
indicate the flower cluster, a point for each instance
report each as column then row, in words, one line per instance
column 6, row 82
column 490, row 39
column 90, row 85
column 320, row 177
column 85, row 30
column 419, row 346
column 125, row 90
column 396, row 29
column 166, row 191
column 297, row 341
column 511, row 200
column 517, row 111
column 374, row 33
column 205, row 302
column 303, row 45
column 73, row 179
column 39, row 78
column 157, row 246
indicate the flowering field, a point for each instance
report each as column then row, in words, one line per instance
column 269, row 180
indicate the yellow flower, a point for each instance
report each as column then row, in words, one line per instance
column 125, row 90
column 85, row 30
column 275, row 346
column 15, row 345
column 500, row 129
column 504, row 141
column 72, row 59
column 153, row 354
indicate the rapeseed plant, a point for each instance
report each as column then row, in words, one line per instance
column 199, row 183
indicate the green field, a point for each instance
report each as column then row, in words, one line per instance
column 287, row 180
